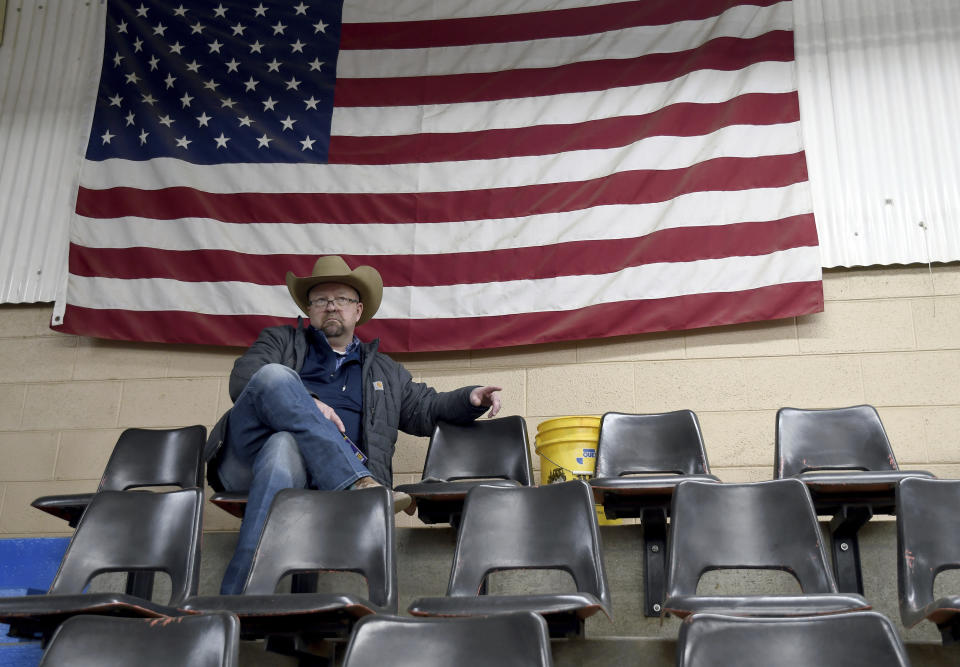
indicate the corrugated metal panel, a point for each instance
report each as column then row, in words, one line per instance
column 879, row 92
column 48, row 64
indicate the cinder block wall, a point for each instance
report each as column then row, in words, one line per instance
column 889, row 337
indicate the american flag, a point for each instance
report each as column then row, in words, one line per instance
column 519, row 172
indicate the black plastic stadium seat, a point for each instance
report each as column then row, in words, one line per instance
column 857, row 639
column 310, row 531
column 141, row 458
column 490, row 452
column 121, row 531
column 505, row 640
column 208, row 640
column 640, row 461
column 845, row 459
column 232, row 502
column 547, row 527
column 763, row 525
column 928, row 542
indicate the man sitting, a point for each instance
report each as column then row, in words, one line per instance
column 315, row 407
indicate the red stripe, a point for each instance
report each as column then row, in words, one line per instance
column 562, row 259
column 599, row 321
column 165, row 326
column 723, row 53
column 681, row 120
column 531, row 25
column 632, row 187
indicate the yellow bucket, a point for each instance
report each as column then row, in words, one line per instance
column 568, row 422
column 568, row 450
column 585, row 433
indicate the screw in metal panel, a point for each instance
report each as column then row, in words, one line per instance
column 844, row 546
column 655, row 548
column 656, row 607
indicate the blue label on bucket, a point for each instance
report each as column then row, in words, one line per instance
column 587, row 454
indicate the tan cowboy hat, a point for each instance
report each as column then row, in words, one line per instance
column 332, row 269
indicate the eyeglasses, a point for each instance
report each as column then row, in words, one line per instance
column 338, row 301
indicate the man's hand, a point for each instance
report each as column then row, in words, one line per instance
column 328, row 412
column 486, row 397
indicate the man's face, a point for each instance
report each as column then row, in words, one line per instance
column 331, row 318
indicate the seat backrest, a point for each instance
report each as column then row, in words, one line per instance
column 207, row 640
column 928, row 537
column 487, row 448
column 124, row 531
column 838, row 439
column 156, row 457
column 545, row 527
column 760, row 525
column 506, row 640
column 345, row 531
column 669, row 442
column 856, row 639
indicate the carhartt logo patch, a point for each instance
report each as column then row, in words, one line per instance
column 378, row 385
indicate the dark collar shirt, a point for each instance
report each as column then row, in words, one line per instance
column 335, row 379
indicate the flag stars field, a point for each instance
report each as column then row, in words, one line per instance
column 207, row 62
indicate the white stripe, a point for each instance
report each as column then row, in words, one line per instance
column 211, row 298
column 651, row 281
column 699, row 209
column 701, row 86
column 378, row 11
column 741, row 22
column 574, row 166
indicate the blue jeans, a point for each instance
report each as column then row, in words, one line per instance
column 278, row 439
